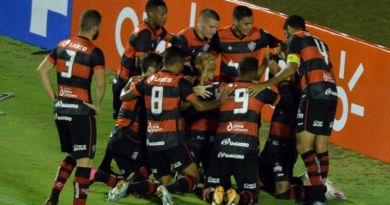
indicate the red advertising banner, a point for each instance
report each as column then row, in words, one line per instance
column 361, row 68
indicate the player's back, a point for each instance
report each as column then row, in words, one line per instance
column 315, row 69
column 240, row 117
column 76, row 59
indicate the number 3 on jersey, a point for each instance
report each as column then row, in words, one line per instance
column 69, row 64
column 241, row 96
column 156, row 100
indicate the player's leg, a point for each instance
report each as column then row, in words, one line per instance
column 182, row 161
column 245, row 172
column 66, row 166
column 218, row 178
column 83, row 130
column 310, row 122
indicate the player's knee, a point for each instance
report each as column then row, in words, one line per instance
column 284, row 195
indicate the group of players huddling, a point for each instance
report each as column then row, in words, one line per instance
column 180, row 120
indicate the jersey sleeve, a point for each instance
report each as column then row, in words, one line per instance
column 268, row 96
column 268, row 39
column 138, row 87
column 52, row 57
column 186, row 91
column 181, row 42
column 97, row 59
column 215, row 44
column 143, row 43
column 294, row 45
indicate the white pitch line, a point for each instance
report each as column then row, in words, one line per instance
column 357, row 109
column 359, row 71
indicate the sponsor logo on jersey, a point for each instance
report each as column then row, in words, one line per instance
column 230, row 156
column 252, row 46
column 66, row 92
column 236, row 127
column 229, row 142
column 152, row 144
column 154, row 128
column 159, row 80
column 328, row 77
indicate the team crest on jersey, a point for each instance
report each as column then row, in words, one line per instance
column 252, row 45
column 65, row 43
column 206, row 47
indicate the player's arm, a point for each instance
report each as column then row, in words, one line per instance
column 98, row 66
column 44, row 73
column 293, row 62
column 135, row 90
column 143, row 45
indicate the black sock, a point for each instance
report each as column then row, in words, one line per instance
column 184, row 184
column 81, row 185
column 145, row 188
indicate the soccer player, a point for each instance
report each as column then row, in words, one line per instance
column 236, row 143
column 196, row 39
column 144, row 39
column 164, row 93
column 239, row 40
column 309, row 55
column 76, row 60
column 126, row 144
column 202, row 125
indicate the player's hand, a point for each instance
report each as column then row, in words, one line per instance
column 273, row 67
column 92, row 106
column 256, row 89
column 224, row 94
column 202, row 91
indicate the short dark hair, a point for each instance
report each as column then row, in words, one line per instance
column 241, row 12
column 152, row 4
column 172, row 55
column 209, row 13
column 248, row 65
column 89, row 19
column 151, row 60
column 295, row 21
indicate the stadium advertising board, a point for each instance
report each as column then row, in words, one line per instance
column 361, row 122
column 39, row 22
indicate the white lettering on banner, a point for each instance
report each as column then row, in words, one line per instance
column 125, row 13
column 193, row 13
column 39, row 12
column 229, row 142
column 355, row 108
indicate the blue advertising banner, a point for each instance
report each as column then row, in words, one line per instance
column 39, row 22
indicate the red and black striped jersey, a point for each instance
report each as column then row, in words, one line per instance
column 190, row 44
column 315, row 71
column 131, row 115
column 164, row 93
column 142, row 40
column 240, row 119
column 75, row 60
column 232, row 48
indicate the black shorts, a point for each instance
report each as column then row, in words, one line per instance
column 276, row 162
column 178, row 157
column 316, row 116
column 201, row 146
column 77, row 135
column 124, row 144
column 245, row 172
